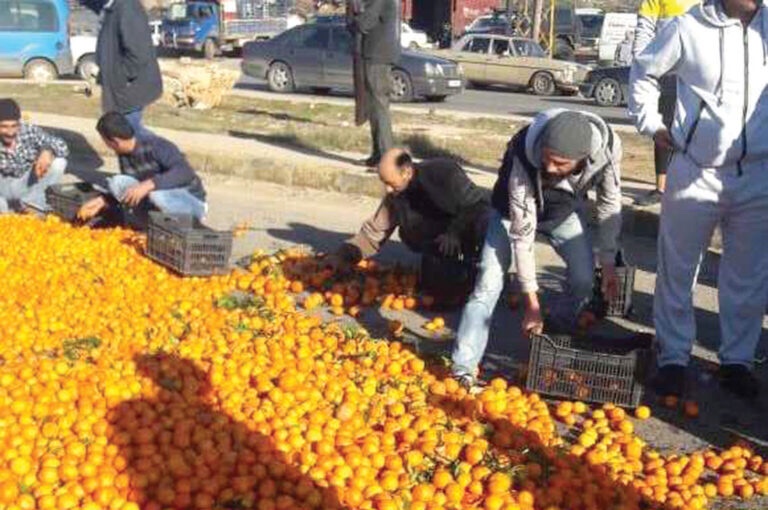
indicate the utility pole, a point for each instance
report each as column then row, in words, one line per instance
column 538, row 8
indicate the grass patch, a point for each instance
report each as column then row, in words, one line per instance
column 321, row 128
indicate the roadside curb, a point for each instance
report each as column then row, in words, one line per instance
column 250, row 159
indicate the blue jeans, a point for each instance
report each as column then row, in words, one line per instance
column 570, row 241
column 28, row 190
column 169, row 201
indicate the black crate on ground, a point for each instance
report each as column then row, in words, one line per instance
column 621, row 304
column 590, row 370
column 66, row 199
column 183, row 244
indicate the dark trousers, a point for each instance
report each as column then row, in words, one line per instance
column 377, row 89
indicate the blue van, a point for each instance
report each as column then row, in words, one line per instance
column 34, row 39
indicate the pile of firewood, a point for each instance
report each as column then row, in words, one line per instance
column 189, row 84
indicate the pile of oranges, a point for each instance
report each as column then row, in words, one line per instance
column 124, row 387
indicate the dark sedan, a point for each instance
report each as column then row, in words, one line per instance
column 608, row 86
column 318, row 56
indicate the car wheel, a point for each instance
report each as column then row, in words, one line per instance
column 402, row 87
column 414, row 45
column 210, row 49
column 87, row 68
column 436, row 99
column 608, row 92
column 40, row 71
column 321, row 91
column 280, row 77
column 477, row 85
column 543, row 84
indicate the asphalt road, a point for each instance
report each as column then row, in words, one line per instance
column 496, row 101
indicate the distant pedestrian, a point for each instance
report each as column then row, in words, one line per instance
column 652, row 17
column 31, row 160
column 379, row 24
column 624, row 49
column 128, row 70
column 718, row 176
column 154, row 174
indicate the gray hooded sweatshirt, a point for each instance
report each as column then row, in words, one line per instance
column 721, row 116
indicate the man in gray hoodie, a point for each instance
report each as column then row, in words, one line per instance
column 548, row 168
column 718, row 175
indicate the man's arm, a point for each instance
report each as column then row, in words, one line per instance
column 660, row 57
column 135, row 37
column 608, row 200
column 372, row 235
column 370, row 17
column 522, row 229
column 647, row 16
column 46, row 141
column 175, row 169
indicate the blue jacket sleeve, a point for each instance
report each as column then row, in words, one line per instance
column 175, row 169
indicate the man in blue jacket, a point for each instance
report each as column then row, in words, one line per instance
column 718, row 175
column 128, row 70
column 154, row 174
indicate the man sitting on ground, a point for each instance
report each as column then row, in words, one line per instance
column 31, row 160
column 547, row 170
column 154, row 174
column 435, row 206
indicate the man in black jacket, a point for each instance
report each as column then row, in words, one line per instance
column 128, row 70
column 379, row 24
column 435, row 206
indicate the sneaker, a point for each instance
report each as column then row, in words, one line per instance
column 739, row 380
column 670, row 381
column 470, row 383
column 649, row 199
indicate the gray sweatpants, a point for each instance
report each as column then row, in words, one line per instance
column 696, row 200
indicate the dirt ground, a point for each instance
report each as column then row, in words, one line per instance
column 324, row 127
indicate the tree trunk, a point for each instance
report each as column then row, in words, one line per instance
column 538, row 7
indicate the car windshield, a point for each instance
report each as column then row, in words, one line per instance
column 591, row 24
column 183, row 11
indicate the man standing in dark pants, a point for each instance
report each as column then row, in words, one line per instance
column 379, row 24
column 128, row 70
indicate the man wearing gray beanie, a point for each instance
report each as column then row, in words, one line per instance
column 547, row 170
column 31, row 160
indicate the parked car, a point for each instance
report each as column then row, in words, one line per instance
column 513, row 62
column 34, row 39
column 608, row 86
column 319, row 56
column 590, row 25
column 412, row 38
column 496, row 23
column 84, row 55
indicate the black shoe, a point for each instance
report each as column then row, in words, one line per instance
column 669, row 381
column 372, row 162
column 649, row 199
column 739, row 380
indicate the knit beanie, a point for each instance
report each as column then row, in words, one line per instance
column 9, row 110
column 568, row 135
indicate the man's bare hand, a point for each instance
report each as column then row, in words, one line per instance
column 136, row 194
column 43, row 163
column 663, row 139
column 533, row 322
column 91, row 208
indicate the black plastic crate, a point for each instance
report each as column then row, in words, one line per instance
column 621, row 304
column 66, row 199
column 183, row 244
column 590, row 370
